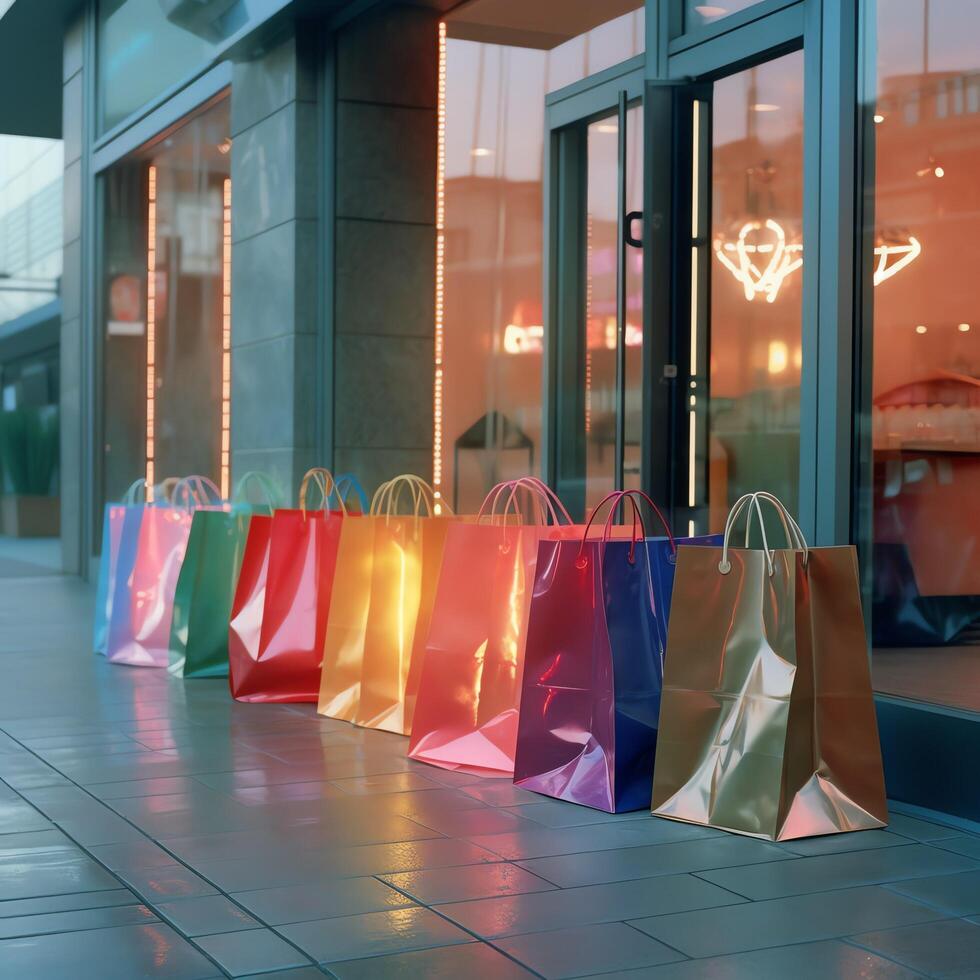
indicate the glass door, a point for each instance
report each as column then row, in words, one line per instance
column 598, row 328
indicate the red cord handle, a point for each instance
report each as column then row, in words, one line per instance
column 616, row 497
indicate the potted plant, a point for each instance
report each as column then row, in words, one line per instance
column 29, row 447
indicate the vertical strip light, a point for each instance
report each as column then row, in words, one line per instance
column 151, row 316
column 226, row 344
column 692, row 498
column 440, row 272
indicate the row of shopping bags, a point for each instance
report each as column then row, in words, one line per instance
column 514, row 642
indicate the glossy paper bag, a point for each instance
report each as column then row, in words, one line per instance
column 387, row 567
column 767, row 722
column 469, row 689
column 293, row 576
column 113, row 523
column 139, row 630
column 593, row 667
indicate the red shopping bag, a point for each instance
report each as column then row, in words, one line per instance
column 466, row 712
column 278, row 620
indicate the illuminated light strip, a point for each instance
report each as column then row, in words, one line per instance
column 692, row 474
column 758, row 278
column 151, row 315
column 226, row 344
column 906, row 253
column 439, row 327
column 588, row 318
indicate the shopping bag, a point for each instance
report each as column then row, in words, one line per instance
column 142, row 608
column 767, row 722
column 469, row 690
column 384, row 586
column 593, row 667
column 113, row 523
column 208, row 575
column 278, row 618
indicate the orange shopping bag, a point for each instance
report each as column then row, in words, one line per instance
column 469, row 690
column 385, row 582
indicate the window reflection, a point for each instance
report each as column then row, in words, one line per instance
column 700, row 12
column 755, row 355
column 925, row 415
column 498, row 72
column 164, row 332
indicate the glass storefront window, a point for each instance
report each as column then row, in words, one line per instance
column 497, row 76
column 755, row 354
column 147, row 46
column 166, row 296
column 699, row 12
column 923, row 122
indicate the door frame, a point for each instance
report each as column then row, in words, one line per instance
column 568, row 111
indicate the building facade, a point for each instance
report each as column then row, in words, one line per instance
column 697, row 248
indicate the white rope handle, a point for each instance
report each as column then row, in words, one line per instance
column 748, row 502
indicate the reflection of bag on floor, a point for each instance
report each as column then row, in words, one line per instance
column 593, row 668
column 767, row 722
column 900, row 617
column 470, row 688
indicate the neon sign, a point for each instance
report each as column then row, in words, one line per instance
column 760, row 265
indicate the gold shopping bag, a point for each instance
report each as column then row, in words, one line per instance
column 767, row 721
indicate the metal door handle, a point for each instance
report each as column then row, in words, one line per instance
column 631, row 239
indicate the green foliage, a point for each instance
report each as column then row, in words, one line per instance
column 29, row 448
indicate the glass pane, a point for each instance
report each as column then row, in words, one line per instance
column 30, row 334
column 699, row 12
column 167, row 303
column 148, row 46
column 492, row 315
column 756, row 286
column 925, row 415
column 599, row 343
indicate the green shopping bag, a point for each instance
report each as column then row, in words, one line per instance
column 208, row 575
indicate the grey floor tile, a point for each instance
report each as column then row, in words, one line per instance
column 436, row 886
column 106, row 954
column 205, row 915
column 785, row 921
column 862, row 840
column 543, row 911
column 811, row 961
column 475, row 821
column 35, row 840
column 948, row 948
column 501, row 794
column 373, row 934
column 321, row 900
column 707, row 853
column 18, row 817
column 255, row 951
column 965, row 844
column 918, row 829
column 163, row 884
column 53, row 872
column 586, row 950
column 957, row 894
column 141, row 787
column 813, row 874
column 526, row 844
column 386, row 783
column 67, row 903
column 475, row 961
column 557, row 813
column 75, row 921
column 133, row 855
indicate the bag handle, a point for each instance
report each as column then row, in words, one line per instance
column 325, row 483
column 616, row 498
column 345, row 484
column 746, row 503
column 137, row 486
column 263, row 481
column 540, row 492
column 388, row 495
column 198, row 491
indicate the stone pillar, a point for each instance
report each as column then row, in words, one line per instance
column 73, row 361
column 275, row 269
column 386, row 91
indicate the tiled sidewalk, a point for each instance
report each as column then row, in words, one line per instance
column 154, row 828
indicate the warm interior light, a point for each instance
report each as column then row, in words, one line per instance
column 226, row 343
column 481, row 151
column 920, row 328
column 151, row 300
column 939, row 172
column 761, row 265
column 963, row 327
column 879, row 118
column 710, row 10
column 438, row 333
column 607, row 127
column 764, row 107
column 906, row 251
column 778, row 357
column 798, row 357
column 523, row 340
